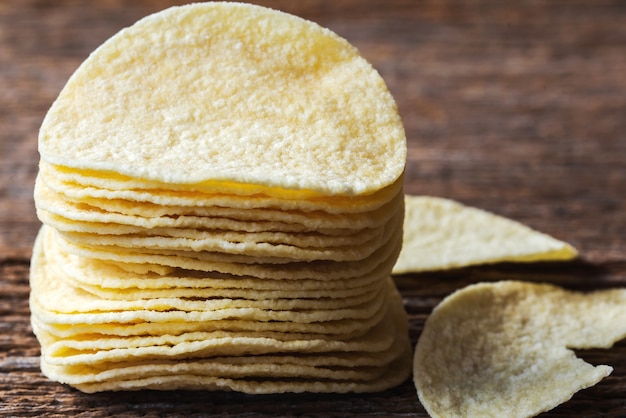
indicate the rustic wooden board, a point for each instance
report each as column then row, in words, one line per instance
column 515, row 107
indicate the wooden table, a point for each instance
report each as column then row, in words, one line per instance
column 515, row 107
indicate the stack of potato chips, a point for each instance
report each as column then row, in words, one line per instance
column 221, row 191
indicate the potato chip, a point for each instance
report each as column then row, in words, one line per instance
column 268, row 247
column 291, row 277
column 340, row 329
column 206, row 292
column 50, row 295
column 129, row 323
column 240, row 265
column 393, row 374
column 214, row 239
column 295, row 111
column 378, row 358
column 199, row 299
column 95, row 348
column 356, row 365
column 369, row 360
column 259, row 369
column 91, row 273
column 442, row 234
column 110, row 209
column 505, row 349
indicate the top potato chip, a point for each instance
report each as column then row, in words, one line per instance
column 229, row 95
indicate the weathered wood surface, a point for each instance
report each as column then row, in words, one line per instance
column 515, row 107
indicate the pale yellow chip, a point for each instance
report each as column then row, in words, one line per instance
column 103, row 191
column 338, row 359
column 94, row 349
column 227, row 240
column 129, row 217
column 260, row 247
column 343, row 328
column 190, row 376
column 340, row 366
column 202, row 290
column 505, row 349
column 266, row 267
column 442, row 234
column 50, row 293
column 89, row 314
column 282, row 362
column 99, row 277
column 262, row 368
column 231, row 97
column 221, row 191
column 290, row 277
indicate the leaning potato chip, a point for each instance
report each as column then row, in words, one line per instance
column 442, row 234
column 505, row 349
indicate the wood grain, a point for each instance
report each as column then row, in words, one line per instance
column 515, row 107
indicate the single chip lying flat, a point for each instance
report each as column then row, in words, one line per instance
column 442, row 234
column 204, row 82
column 504, row 349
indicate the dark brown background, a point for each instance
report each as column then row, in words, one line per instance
column 515, row 107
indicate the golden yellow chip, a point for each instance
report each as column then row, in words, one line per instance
column 505, row 349
column 442, row 234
